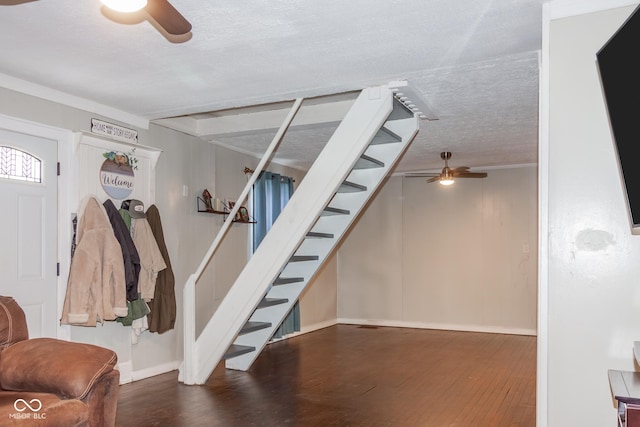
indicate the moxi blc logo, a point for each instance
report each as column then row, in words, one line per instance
column 21, row 405
column 28, row 410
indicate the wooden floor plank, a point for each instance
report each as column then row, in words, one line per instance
column 347, row 375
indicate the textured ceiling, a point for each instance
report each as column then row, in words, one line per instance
column 474, row 61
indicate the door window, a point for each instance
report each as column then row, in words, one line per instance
column 16, row 164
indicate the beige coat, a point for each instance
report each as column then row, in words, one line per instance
column 151, row 260
column 96, row 286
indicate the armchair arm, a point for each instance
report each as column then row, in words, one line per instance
column 48, row 365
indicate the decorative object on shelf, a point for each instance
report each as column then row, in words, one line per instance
column 230, row 205
column 218, row 205
column 122, row 159
column 244, row 214
column 203, row 206
column 224, row 209
column 206, row 197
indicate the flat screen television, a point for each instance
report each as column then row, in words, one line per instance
column 619, row 66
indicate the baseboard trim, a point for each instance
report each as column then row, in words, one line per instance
column 438, row 326
column 126, row 370
column 308, row 328
column 127, row 374
column 155, row 370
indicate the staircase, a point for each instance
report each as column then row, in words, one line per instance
column 363, row 150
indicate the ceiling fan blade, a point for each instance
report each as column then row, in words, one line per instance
column 434, row 179
column 460, row 169
column 471, row 175
column 13, row 2
column 420, row 175
column 168, row 17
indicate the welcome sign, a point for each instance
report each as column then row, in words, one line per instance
column 116, row 174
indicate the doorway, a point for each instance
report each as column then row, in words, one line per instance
column 28, row 254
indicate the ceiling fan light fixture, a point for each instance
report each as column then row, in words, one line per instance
column 126, row 6
column 446, row 176
column 446, row 181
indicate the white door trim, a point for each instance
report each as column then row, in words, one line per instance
column 542, row 383
column 64, row 139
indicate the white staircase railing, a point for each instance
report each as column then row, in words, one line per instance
column 355, row 160
column 189, row 292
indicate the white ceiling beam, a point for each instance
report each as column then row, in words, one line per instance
column 253, row 121
column 185, row 124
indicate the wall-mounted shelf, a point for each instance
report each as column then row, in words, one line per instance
column 202, row 207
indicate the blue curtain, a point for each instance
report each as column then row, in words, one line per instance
column 271, row 192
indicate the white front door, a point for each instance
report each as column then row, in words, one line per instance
column 28, row 214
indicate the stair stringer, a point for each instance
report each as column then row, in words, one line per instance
column 364, row 119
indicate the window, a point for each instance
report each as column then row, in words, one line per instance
column 271, row 192
column 18, row 165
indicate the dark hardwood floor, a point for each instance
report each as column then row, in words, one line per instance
column 354, row 376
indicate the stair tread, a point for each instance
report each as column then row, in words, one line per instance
column 235, row 350
column 252, row 326
column 287, row 280
column 368, row 162
column 351, row 187
column 400, row 111
column 385, row 136
column 268, row 302
column 316, row 234
column 334, row 211
column 299, row 258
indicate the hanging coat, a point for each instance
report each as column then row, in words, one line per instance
column 130, row 256
column 151, row 259
column 163, row 306
column 95, row 289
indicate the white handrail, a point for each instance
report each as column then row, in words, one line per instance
column 187, row 370
column 245, row 192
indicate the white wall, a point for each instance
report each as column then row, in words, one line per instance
column 370, row 275
column 424, row 255
column 592, row 259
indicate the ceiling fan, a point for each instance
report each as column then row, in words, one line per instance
column 448, row 175
column 161, row 11
column 167, row 17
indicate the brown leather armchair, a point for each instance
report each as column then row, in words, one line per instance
column 50, row 382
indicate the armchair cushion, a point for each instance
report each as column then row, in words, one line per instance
column 52, row 366
column 13, row 325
